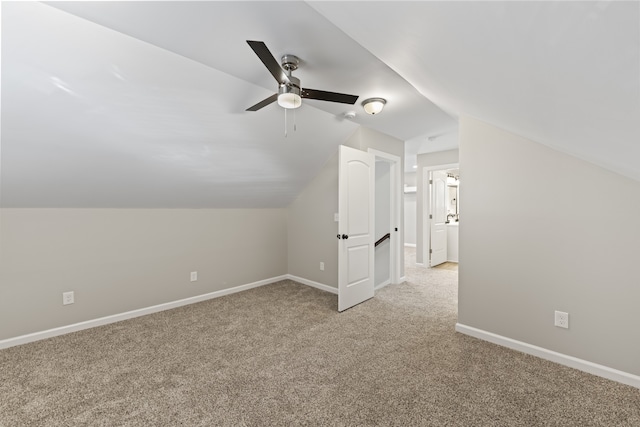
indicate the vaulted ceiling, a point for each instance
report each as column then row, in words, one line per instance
column 142, row 104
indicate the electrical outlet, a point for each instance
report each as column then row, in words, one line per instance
column 322, row 266
column 194, row 276
column 67, row 298
column 562, row 319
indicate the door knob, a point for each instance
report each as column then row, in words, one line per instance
column 338, row 236
column 344, row 236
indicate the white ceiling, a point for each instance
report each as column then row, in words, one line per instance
column 141, row 104
column 563, row 73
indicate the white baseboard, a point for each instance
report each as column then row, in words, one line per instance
column 49, row 333
column 543, row 353
column 313, row 284
column 410, row 245
column 403, row 279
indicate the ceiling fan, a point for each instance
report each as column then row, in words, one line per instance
column 290, row 93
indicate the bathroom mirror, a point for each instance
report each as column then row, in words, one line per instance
column 453, row 181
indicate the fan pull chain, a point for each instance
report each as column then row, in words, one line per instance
column 285, row 122
column 294, row 120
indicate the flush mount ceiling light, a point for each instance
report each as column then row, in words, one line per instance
column 373, row 105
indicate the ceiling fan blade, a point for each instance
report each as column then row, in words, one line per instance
column 329, row 96
column 263, row 103
column 269, row 61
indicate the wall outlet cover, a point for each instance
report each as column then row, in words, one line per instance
column 194, row 276
column 68, row 298
column 561, row 319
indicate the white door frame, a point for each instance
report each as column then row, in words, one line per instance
column 397, row 237
column 426, row 207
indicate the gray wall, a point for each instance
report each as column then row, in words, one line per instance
column 410, row 230
column 365, row 138
column 116, row 260
column 544, row 231
column 311, row 215
column 427, row 160
column 312, row 230
column 410, row 179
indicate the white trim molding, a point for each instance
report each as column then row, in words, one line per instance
column 62, row 330
column 313, row 284
column 409, row 245
column 87, row 324
column 543, row 353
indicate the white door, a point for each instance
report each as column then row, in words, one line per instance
column 438, row 218
column 356, row 227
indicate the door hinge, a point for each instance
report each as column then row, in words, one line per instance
column 430, row 251
column 430, row 216
column 430, row 181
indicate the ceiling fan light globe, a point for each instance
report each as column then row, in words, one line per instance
column 289, row 100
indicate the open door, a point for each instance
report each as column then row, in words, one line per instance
column 438, row 221
column 356, row 227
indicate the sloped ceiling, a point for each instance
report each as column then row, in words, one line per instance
column 141, row 104
column 562, row 73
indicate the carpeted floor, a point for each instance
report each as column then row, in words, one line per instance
column 281, row 355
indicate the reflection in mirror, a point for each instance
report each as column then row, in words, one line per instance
column 453, row 181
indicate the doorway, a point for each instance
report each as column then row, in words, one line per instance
column 388, row 253
column 356, row 225
column 440, row 219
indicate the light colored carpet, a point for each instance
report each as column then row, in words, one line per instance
column 281, row 355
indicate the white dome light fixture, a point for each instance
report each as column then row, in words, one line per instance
column 373, row 105
column 289, row 100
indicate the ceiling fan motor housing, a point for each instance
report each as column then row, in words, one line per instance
column 292, row 87
column 290, row 62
